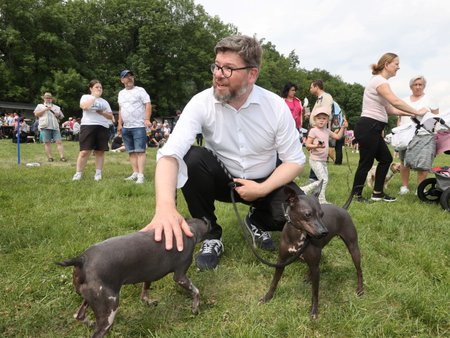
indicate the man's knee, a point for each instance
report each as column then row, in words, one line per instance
column 194, row 156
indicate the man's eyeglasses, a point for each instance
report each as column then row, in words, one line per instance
column 227, row 71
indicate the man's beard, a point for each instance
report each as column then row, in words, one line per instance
column 129, row 84
column 231, row 95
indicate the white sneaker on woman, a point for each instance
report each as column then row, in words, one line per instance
column 132, row 177
column 404, row 190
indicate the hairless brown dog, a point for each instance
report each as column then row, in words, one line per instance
column 306, row 217
column 102, row 269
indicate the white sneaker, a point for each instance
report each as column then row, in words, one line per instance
column 132, row 177
column 404, row 190
column 76, row 177
column 140, row 179
column 98, row 177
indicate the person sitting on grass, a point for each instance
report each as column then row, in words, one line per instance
column 117, row 144
column 24, row 131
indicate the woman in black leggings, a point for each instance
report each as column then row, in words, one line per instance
column 378, row 102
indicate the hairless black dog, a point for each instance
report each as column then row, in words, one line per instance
column 102, row 269
column 306, row 217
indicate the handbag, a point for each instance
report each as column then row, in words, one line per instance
column 421, row 152
column 402, row 136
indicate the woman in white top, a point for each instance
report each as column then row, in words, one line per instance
column 94, row 130
column 378, row 102
column 417, row 99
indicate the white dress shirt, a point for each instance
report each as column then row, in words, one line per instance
column 246, row 140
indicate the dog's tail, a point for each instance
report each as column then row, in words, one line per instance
column 76, row 261
column 350, row 198
column 79, row 276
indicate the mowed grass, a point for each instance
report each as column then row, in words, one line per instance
column 45, row 217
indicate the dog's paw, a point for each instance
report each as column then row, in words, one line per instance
column 150, row 302
column 360, row 292
column 263, row 300
column 89, row 323
column 314, row 316
column 195, row 310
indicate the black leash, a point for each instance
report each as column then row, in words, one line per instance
column 246, row 232
column 250, row 241
column 350, row 171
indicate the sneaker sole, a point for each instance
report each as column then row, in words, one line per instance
column 377, row 199
column 269, row 247
column 203, row 266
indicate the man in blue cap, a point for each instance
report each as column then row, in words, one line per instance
column 134, row 117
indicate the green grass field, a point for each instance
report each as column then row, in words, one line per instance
column 45, row 217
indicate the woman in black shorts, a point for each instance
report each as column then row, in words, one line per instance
column 94, row 132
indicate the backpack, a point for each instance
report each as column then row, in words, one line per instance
column 336, row 112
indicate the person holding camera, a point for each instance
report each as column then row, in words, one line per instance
column 318, row 143
column 49, row 115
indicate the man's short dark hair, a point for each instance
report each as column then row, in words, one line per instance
column 318, row 83
column 246, row 47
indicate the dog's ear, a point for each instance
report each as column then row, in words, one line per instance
column 318, row 189
column 291, row 194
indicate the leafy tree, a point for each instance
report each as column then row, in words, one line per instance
column 59, row 45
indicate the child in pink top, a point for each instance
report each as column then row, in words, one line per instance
column 317, row 144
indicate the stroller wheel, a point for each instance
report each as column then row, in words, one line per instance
column 428, row 192
column 445, row 199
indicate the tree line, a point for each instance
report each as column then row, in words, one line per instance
column 60, row 45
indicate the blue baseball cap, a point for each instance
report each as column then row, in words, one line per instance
column 125, row 72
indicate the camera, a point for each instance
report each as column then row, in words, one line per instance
column 321, row 143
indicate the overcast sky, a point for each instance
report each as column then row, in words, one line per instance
column 344, row 37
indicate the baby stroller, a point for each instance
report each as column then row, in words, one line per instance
column 437, row 189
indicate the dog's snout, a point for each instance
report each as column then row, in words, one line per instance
column 321, row 230
column 322, row 233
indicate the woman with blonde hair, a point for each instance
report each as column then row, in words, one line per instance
column 378, row 102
